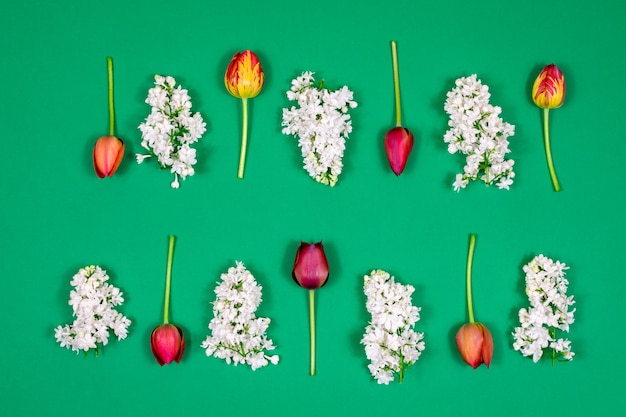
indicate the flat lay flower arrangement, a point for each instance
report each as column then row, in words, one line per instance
column 321, row 123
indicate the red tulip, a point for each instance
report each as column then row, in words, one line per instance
column 475, row 344
column 168, row 343
column 399, row 140
column 310, row 269
column 398, row 145
column 167, row 340
column 107, row 155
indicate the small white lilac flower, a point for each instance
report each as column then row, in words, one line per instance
column 321, row 123
column 546, row 288
column 391, row 343
column 477, row 131
column 171, row 128
column 237, row 335
column 93, row 300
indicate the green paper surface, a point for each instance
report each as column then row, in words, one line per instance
column 56, row 216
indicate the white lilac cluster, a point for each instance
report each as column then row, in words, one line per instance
column 321, row 123
column 93, row 301
column 546, row 287
column 171, row 128
column 237, row 335
column 477, row 131
column 390, row 342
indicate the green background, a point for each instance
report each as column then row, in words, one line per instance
column 57, row 216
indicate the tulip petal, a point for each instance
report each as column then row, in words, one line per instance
column 398, row 145
column 549, row 88
column 487, row 351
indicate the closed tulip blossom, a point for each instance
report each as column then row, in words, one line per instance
column 244, row 79
column 108, row 150
column 549, row 93
column 473, row 339
column 399, row 140
column 167, row 340
column 168, row 343
column 310, row 271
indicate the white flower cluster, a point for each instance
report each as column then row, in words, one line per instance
column 390, row 342
column 237, row 335
column 476, row 130
column 321, row 124
column 546, row 287
column 171, row 128
column 93, row 300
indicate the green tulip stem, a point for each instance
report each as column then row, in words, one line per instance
column 546, row 140
column 396, row 82
column 244, row 138
column 553, row 334
column 111, row 105
column 468, row 274
column 168, row 279
column 312, row 329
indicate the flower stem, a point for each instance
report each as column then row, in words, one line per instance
column 168, row 279
column 468, row 274
column 111, row 105
column 546, row 140
column 553, row 334
column 244, row 138
column 396, row 82
column 312, row 328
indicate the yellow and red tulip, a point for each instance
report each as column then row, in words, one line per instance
column 549, row 88
column 475, row 344
column 108, row 151
column 168, row 343
column 244, row 76
column 399, row 140
column 310, row 271
column 549, row 93
column 167, row 340
column 244, row 79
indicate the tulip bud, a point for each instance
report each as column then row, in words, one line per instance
column 244, row 75
column 107, row 155
column 168, row 343
column 398, row 145
column 475, row 344
column 310, row 268
column 549, row 88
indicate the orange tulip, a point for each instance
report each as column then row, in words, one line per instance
column 549, row 88
column 107, row 155
column 473, row 339
column 108, row 150
column 475, row 344
column 549, row 93
column 244, row 79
